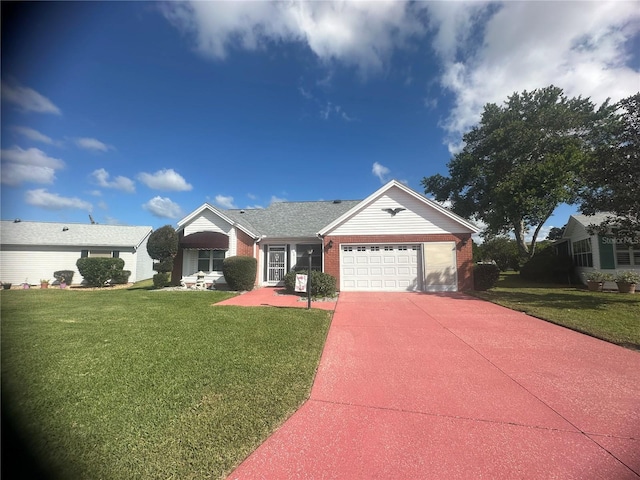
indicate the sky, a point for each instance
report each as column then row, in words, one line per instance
column 137, row 113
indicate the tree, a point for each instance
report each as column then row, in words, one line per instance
column 163, row 247
column 612, row 176
column 501, row 250
column 519, row 163
column 555, row 233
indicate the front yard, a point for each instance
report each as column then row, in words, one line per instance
column 611, row 316
column 136, row 383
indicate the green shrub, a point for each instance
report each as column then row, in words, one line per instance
column 163, row 247
column 97, row 271
column 485, row 276
column 121, row 277
column 163, row 266
column 546, row 266
column 161, row 280
column 64, row 276
column 322, row 284
column 240, row 272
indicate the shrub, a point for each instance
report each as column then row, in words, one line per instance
column 627, row 276
column 121, row 277
column 97, row 271
column 164, row 266
column 502, row 250
column 64, row 276
column 322, row 284
column 546, row 266
column 163, row 247
column 240, row 272
column 161, row 280
column 485, row 276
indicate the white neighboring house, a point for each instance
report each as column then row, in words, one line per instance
column 31, row 251
column 597, row 252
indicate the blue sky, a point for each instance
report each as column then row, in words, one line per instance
column 137, row 113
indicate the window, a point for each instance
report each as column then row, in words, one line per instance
column 302, row 257
column 347, row 249
column 402, row 248
column 388, row 248
column 627, row 255
column 415, row 248
column 362, row 249
column 210, row 260
column 375, row 248
column 582, row 256
column 100, row 253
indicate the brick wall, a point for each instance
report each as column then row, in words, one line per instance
column 244, row 247
column 464, row 253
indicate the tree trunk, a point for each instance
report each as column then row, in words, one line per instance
column 519, row 231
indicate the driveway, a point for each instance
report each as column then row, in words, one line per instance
column 421, row 386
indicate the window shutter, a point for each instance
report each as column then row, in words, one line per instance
column 607, row 257
column 84, row 253
column 116, row 254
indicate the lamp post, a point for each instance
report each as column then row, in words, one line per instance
column 310, row 251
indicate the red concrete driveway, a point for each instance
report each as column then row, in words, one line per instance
column 422, row 386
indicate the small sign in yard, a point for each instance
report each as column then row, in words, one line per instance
column 301, row 283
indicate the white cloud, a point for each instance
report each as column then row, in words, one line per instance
column 34, row 135
column 380, row 171
column 360, row 34
column 224, row 201
column 166, row 179
column 490, row 51
column 92, row 144
column 163, row 207
column 101, row 177
column 330, row 109
column 252, row 196
column 52, row 201
column 31, row 165
column 28, row 99
column 275, row 199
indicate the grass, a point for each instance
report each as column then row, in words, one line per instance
column 135, row 383
column 610, row 316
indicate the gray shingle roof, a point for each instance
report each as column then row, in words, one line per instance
column 77, row 234
column 291, row 219
column 596, row 219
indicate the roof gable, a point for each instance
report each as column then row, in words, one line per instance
column 72, row 234
column 205, row 207
column 397, row 193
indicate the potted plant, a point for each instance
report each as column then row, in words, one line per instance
column 6, row 285
column 627, row 281
column 44, row 283
column 596, row 279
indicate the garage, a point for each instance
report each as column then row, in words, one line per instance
column 398, row 267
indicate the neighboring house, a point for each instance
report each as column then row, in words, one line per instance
column 31, row 251
column 597, row 252
column 394, row 240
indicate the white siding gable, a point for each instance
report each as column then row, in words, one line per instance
column 208, row 221
column 418, row 218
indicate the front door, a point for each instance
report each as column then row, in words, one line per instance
column 277, row 259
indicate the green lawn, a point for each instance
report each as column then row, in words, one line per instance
column 611, row 316
column 136, row 383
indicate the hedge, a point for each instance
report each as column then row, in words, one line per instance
column 322, row 284
column 485, row 276
column 97, row 271
column 240, row 272
column 64, row 276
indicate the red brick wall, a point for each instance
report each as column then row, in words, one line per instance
column 244, row 247
column 464, row 253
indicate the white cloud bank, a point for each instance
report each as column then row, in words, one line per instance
column 380, row 171
column 102, row 178
column 31, row 165
column 27, row 99
column 487, row 50
column 92, row 144
column 34, row 135
column 166, row 179
column 52, row 201
column 224, row 201
column 163, row 207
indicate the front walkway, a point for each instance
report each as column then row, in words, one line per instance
column 445, row 386
column 273, row 297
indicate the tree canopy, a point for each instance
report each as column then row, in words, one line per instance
column 163, row 247
column 520, row 162
column 612, row 174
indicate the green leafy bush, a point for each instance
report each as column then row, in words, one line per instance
column 64, row 276
column 121, row 277
column 546, row 266
column 161, row 280
column 322, row 284
column 98, row 271
column 163, row 247
column 485, row 276
column 240, row 272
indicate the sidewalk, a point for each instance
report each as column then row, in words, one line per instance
column 274, row 297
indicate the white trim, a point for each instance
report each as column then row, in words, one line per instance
column 215, row 211
column 394, row 183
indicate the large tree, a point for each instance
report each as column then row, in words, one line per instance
column 519, row 163
column 612, row 175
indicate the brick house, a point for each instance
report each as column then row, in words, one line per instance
column 393, row 240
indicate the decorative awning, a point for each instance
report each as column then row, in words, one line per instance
column 205, row 241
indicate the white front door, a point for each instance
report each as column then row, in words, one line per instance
column 276, row 266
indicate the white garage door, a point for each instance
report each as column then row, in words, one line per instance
column 392, row 268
